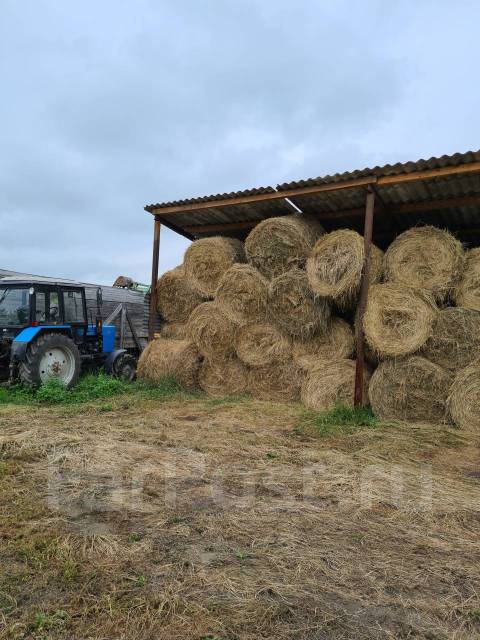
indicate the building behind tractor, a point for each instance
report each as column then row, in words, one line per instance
column 54, row 328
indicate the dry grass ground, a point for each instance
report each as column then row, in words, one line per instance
column 202, row 519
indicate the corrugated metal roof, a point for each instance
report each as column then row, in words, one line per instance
column 396, row 169
column 406, row 201
column 218, row 196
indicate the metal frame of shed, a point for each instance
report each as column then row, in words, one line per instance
column 443, row 191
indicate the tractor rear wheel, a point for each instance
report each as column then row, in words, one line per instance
column 125, row 367
column 51, row 355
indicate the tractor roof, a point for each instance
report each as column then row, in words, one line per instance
column 10, row 280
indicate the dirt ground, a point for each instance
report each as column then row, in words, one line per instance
column 231, row 520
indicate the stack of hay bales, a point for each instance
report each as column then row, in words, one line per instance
column 424, row 344
column 274, row 318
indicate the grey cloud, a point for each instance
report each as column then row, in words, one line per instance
column 114, row 105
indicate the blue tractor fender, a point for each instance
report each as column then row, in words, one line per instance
column 26, row 336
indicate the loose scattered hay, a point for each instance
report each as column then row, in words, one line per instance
column 162, row 358
column 467, row 293
column 176, row 298
column 336, row 343
column 226, row 378
column 464, row 398
column 278, row 382
column 335, row 266
column 262, row 344
column 282, row 243
column 455, row 339
column 398, row 319
column 294, row 308
column 411, row 389
column 174, row 330
column 425, row 258
column 330, row 383
column 212, row 331
column 242, row 294
column 206, row 261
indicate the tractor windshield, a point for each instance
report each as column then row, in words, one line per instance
column 14, row 307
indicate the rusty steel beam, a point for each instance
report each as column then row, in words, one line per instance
column 225, row 226
column 413, row 207
column 260, row 197
column 359, row 400
column 429, row 174
column 153, row 289
column 414, row 176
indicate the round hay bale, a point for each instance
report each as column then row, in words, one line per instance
column 262, row 344
column 278, row 382
column 227, row 378
column 178, row 359
column 206, row 261
column 425, row 258
column 464, row 398
column 242, row 294
column 294, row 308
column 212, row 331
column 455, row 339
column 335, row 266
column 176, row 298
column 173, row 330
column 330, row 383
column 398, row 319
column 371, row 357
column 279, row 244
column 411, row 389
column 467, row 292
column 336, row 343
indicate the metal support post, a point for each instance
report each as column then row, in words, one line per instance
column 153, row 288
column 359, row 400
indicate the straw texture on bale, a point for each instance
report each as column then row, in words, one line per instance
column 455, row 339
column 224, row 378
column 206, row 261
column 279, row 244
column 294, row 308
column 242, row 294
column 173, row 330
column 425, row 258
column 464, row 399
column 467, row 293
column 176, row 298
column 330, row 383
column 212, row 331
column 336, row 343
column 412, row 389
column 335, row 266
column 278, row 382
column 264, row 344
column 162, row 358
column 398, row 319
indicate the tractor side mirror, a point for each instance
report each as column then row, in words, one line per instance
column 99, row 297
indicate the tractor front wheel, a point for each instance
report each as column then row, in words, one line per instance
column 51, row 355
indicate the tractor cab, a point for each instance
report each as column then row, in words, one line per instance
column 45, row 332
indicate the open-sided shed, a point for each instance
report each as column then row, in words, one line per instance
column 380, row 202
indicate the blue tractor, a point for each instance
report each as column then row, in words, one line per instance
column 45, row 333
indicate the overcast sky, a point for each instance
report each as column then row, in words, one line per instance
column 108, row 106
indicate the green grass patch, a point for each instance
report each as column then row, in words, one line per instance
column 91, row 387
column 341, row 420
